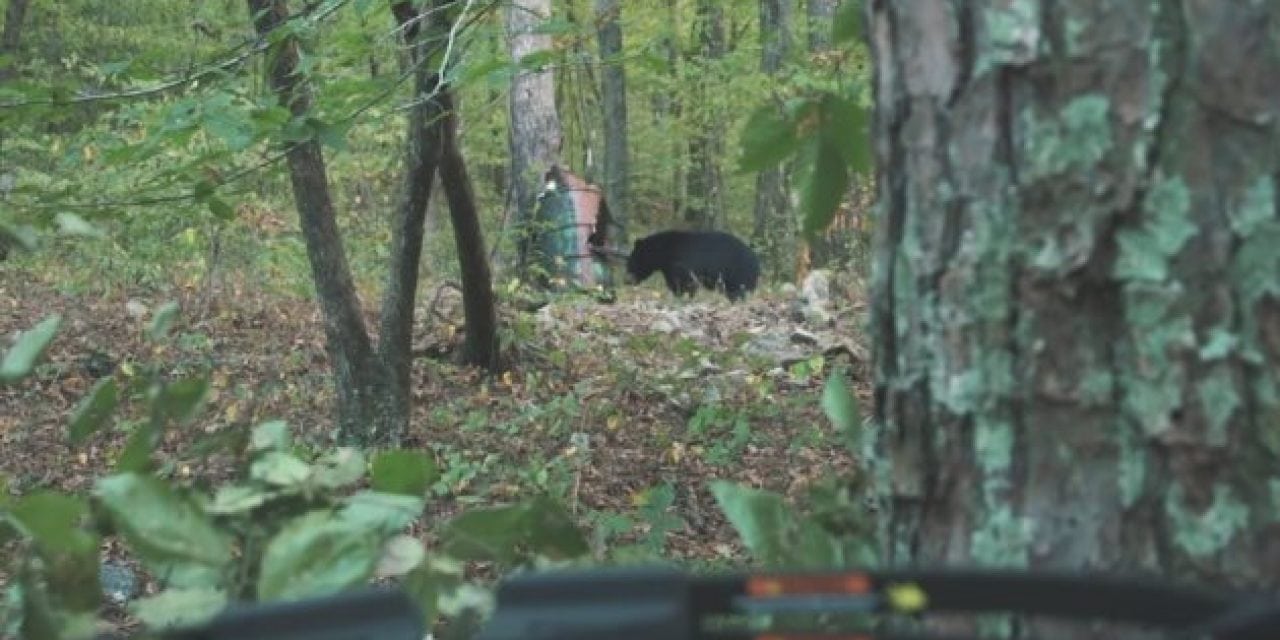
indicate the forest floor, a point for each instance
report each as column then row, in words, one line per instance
column 603, row 403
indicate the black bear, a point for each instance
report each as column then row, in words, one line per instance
column 687, row 259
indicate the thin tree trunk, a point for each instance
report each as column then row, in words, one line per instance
column 1076, row 302
column 496, row 170
column 422, row 159
column 674, row 107
column 360, row 382
column 578, row 88
column 833, row 245
column 773, row 228
column 821, row 14
column 614, row 87
column 481, row 347
column 704, row 203
column 535, row 126
column 11, row 37
column 14, row 17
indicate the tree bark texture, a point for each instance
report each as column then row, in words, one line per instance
column 1077, row 285
column 535, row 125
column 481, row 346
column 773, row 224
column 820, row 15
column 360, row 382
column 14, row 17
column 671, row 107
column 422, row 160
column 613, row 81
column 704, row 201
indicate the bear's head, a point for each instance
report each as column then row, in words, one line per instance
column 642, row 262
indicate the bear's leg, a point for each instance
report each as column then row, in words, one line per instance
column 680, row 280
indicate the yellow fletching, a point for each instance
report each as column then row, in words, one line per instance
column 906, row 598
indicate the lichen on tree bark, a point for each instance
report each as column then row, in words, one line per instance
column 1077, row 291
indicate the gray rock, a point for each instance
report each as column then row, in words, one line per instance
column 119, row 583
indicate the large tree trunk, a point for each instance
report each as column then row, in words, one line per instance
column 774, row 226
column 481, row 347
column 614, row 89
column 704, row 198
column 363, row 411
column 1077, row 289
column 535, row 126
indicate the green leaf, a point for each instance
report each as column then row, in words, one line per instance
column 238, row 499
column 23, row 236
column 489, row 69
column 53, row 520
column 130, row 154
column 297, row 129
column 487, row 533
column 219, row 208
column 271, row 118
column 384, row 512
column 760, row 518
column 334, row 135
column 339, row 468
column 47, row 614
column 841, row 407
column 230, row 441
column 773, row 532
column 400, row 555
column 181, row 400
column 167, row 530
column 272, row 435
column 503, row 534
column 11, row 614
column 848, row 124
column 73, row 225
column 69, row 552
column 179, row 607
column 162, row 320
column 203, row 190
column 824, row 186
column 551, row 530
column 138, row 449
column 21, row 358
column 467, row 606
column 847, row 24
column 316, row 554
column 402, row 471
column 768, row 138
column 432, row 580
column 115, row 68
column 227, row 122
column 94, row 409
column 280, row 469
